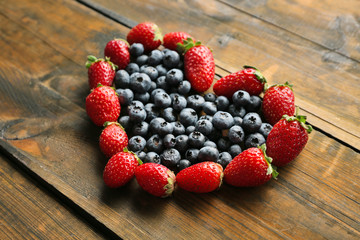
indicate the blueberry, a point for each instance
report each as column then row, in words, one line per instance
column 222, row 120
column 170, row 158
column 196, row 139
column 154, row 144
column 238, row 121
column 150, row 71
column 136, row 49
column 236, row 111
column 182, row 164
column 254, row 104
column 209, row 143
column 151, row 111
column 179, row 102
column 161, row 70
column 142, row 97
column 155, row 57
column 136, row 143
column 153, row 86
column 169, row 141
column 132, row 68
column 134, row 103
column 161, row 83
column 215, row 135
column 126, row 96
column 265, row 129
column 152, row 157
column 254, row 140
column 165, row 128
column 236, row 134
column 195, row 102
column 182, row 143
column 235, row 150
column 222, row 103
column 125, row 122
column 171, row 59
column 154, row 92
column 204, row 126
column 209, row 108
column 241, row 98
column 206, row 117
column 169, row 114
column 141, row 60
column 137, row 114
column 162, row 100
column 251, row 122
column 141, row 155
column 210, row 97
column 141, row 129
column 184, row 87
column 189, row 129
column 174, row 76
column 223, row 144
column 192, row 155
column 140, row 82
column 188, row 116
column 178, row 128
column 154, row 124
column 224, row 159
column 208, row 154
column 122, row 79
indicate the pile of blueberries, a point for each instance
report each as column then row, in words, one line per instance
column 170, row 124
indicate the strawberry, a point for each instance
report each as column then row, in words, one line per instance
column 147, row 33
column 120, row 169
column 118, row 52
column 199, row 65
column 278, row 100
column 250, row 168
column 155, row 179
column 172, row 39
column 113, row 139
column 201, row 177
column 100, row 71
column 102, row 105
column 249, row 79
column 287, row 139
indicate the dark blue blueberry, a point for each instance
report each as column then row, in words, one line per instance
column 142, row 97
column 141, row 129
column 151, row 111
column 210, row 97
column 184, row 87
column 222, row 103
column 182, row 164
column 204, row 126
column 154, row 124
column 188, row 116
column 222, row 120
column 132, row 68
column 161, row 83
column 254, row 105
column 174, row 77
column 182, row 143
column 223, row 144
column 192, row 155
column 208, row 154
column 137, row 114
column 170, row 158
column 265, row 129
column 224, row 159
column 171, row 59
column 236, row 111
column 179, row 102
column 251, row 122
column 136, row 49
column 209, row 108
column 155, row 57
column 165, row 50
column 235, row 150
column 161, row 70
column 141, row 60
column 173, row 95
column 189, row 129
column 122, row 79
column 150, row 71
column 169, row 114
column 154, row 92
column 136, row 143
column 126, row 96
column 196, row 139
column 162, row 100
column 169, row 141
column 241, row 98
column 206, row 117
column 154, row 144
column 152, row 157
column 236, row 134
column 209, row 143
column 178, row 128
column 125, row 122
column 165, row 128
column 238, row 121
column 134, row 103
column 140, row 82
column 195, row 102
column 152, row 87
column 254, row 140
column 141, row 155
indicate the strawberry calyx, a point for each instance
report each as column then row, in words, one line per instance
column 300, row 118
column 126, row 150
column 286, row 84
column 108, row 123
column 157, row 33
column 170, row 186
column 187, row 44
column 92, row 59
column 271, row 169
column 257, row 74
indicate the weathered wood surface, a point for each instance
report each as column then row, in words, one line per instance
column 45, row 129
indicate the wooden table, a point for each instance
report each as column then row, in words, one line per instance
column 51, row 166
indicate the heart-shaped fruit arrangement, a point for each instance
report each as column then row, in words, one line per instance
column 163, row 126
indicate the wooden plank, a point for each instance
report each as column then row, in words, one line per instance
column 236, row 38
column 30, row 212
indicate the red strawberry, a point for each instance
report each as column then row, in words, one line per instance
column 249, row 79
column 287, row 139
column 172, row 39
column 100, row 71
column 199, row 65
column 250, row 168
column 278, row 100
column 120, row 169
column 201, row 177
column 155, row 179
column 113, row 139
column 102, row 105
column 118, row 52
column 147, row 33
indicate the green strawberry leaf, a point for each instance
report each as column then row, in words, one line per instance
column 271, row 169
column 300, row 118
column 257, row 74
